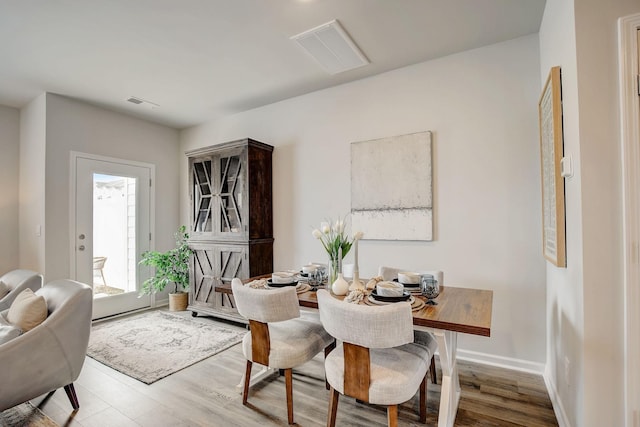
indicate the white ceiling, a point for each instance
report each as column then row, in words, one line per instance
column 201, row 59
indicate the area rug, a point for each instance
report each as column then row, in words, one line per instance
column 155, row 344
column 25, row 415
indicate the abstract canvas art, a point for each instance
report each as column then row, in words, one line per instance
column 391, row 187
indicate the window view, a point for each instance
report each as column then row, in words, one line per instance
column 114, row 235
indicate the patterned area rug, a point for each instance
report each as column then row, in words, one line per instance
column 25, row 415
column 155, row 344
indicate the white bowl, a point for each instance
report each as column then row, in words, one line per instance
column 389, row 289
column 282, row 277
column 408, row 278
column 309, row 268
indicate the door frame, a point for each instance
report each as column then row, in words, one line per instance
column 74, row 156
column 628, row 28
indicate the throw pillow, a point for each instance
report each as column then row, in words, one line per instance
column 7, row 331
column 4, row 289
column 27, row 311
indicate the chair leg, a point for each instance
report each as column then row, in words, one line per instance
column 71, row 394
column 288, row 379
column 247, row 381
column 392, row 415
column 432, row 369
column 333, row 407
column 328, row 349
column 423, row 400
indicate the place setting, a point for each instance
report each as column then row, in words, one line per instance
column 283, row 279
column 390, row 292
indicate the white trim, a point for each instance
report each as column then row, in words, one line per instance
column 558, row 408
column 630, row 150
column 501, row 361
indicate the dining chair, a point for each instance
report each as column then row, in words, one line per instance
column 423, row 337
column 279, row 337
column 377, row 361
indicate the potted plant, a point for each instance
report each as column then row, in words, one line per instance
column 170, row 267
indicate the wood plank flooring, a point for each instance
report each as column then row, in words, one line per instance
column 205, row 394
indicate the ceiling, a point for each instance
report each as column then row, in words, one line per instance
column 203, row 59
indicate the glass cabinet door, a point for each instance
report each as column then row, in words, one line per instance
column 232, row 193
column 202, row 196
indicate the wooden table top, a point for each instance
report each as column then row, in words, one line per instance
column 459, row 309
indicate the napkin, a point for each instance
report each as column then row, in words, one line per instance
column 257, row 284
column 282, row 277
column 356, row 296
column 371, row 284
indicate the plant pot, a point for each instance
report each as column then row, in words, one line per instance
column 178, row 301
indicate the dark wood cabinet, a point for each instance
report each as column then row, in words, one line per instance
column 231, row 221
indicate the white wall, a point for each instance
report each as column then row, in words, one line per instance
column 9, row 172
column 75, row 126
column 482, row 107
column 585, row 300
column 31, row 186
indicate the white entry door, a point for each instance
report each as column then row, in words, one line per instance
column 111, row 230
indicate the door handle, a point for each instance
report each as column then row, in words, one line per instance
column 81, row 248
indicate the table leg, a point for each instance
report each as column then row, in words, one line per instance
column 450, row 389
column 263, row 373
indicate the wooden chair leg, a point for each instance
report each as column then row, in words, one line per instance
column 432, row 369
column 71, row 394
column 333, row 407
column 423, row 400
column 247, row 381
column 328, row 349
column 288, row 379
column 392, row 415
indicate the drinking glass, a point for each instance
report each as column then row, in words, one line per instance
column 430, row 288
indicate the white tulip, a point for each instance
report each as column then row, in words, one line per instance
column 339, row 226
column 325, row 227
column 316, row 233
column 358, row 235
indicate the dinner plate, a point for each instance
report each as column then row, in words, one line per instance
column 280, row 285
column 372, row 300
column 408, row 285
column 405, row 296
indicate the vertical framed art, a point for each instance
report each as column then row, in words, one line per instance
column 551, row 152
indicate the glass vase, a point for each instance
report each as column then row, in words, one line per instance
column 333, row 268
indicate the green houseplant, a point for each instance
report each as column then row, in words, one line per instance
column 170, row 267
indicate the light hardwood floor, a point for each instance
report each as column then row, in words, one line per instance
column 205, row 394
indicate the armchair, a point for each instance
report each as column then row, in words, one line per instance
column 18, row 281
column 50, row 355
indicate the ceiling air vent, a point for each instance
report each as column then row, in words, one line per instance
column 140, row 101
column 332, row 47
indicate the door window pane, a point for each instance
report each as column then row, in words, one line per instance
column 114, row 235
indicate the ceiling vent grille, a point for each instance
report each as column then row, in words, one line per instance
column 140, row 101
column 331, row 47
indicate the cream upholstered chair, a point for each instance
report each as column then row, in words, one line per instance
column 50, row 355
column 425, row 338
column 278, row 338
column 17, row 281
column 377, row 361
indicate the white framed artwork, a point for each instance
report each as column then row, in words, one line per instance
column 392, row 187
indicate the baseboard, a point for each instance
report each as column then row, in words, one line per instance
column 502, row 362
column 558, row 408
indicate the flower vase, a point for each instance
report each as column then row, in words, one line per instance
column 340, row 286
column 333, row 268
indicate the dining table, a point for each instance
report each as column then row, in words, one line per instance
column 458, row 310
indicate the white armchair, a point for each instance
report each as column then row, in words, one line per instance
column 17, row 281
column 50, row 355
